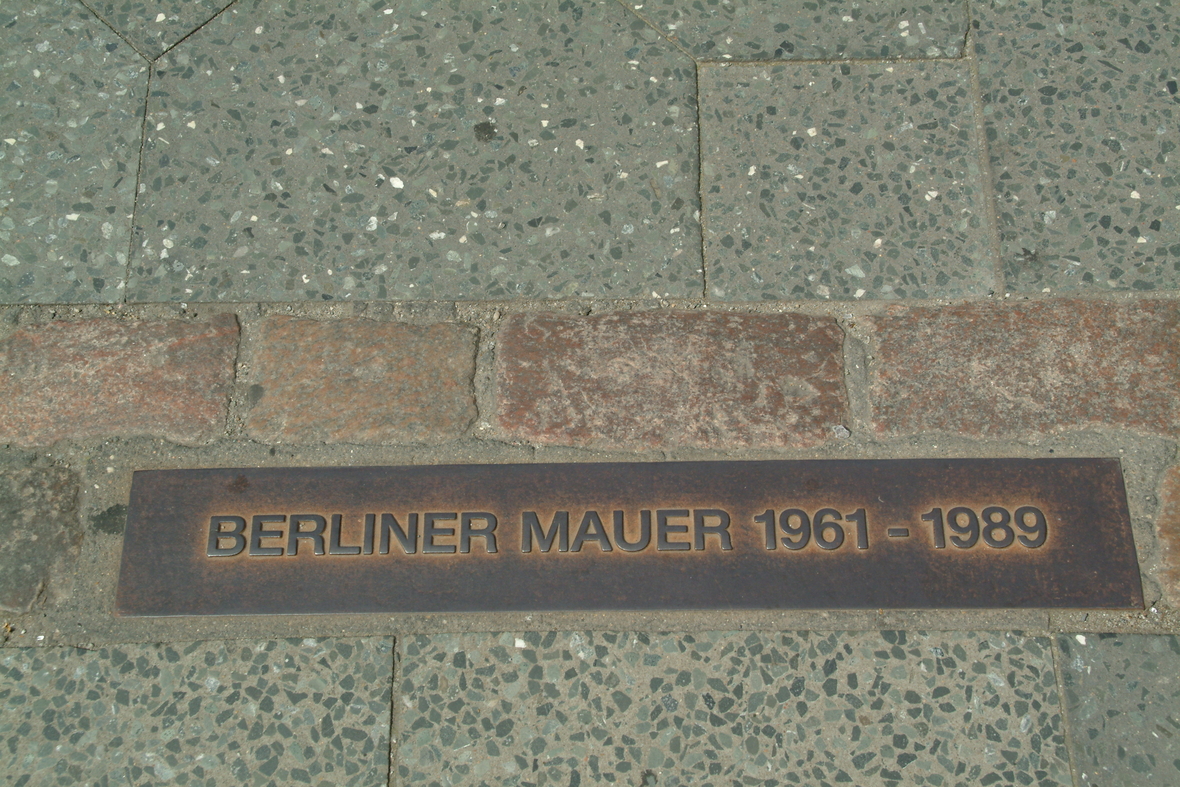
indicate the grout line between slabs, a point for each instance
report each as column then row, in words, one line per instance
column 147, row 97
column 391, row 769
column 701, row 181
column 195, row 30
column 116, row 31
column 827, row 61
column 696, row 69
column 987, row 180
column 1066, row 730
column 965, row 47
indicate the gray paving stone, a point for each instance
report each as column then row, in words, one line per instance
column 1122, row 699
column 38, row 526
column 420, row 150
column 880, row 708
column 1081, row 106
column 850, row 180
column 154, row 26
column 71, row 118
column 288, row 712
column 810, row 29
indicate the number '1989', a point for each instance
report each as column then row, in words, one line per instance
column 994, row 524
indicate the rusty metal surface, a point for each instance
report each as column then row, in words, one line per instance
column 879, row 534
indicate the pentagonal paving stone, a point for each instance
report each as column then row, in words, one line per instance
column 71, row 119
column 420, row 150
column 1122, row 698
column 217, row 714
column 154, row 26
column 1082, row 106
column 810, row 29
column 850, row 180
column 875, row 708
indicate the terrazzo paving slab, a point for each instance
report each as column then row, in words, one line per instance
column 153, row 26
column 1081, row 106
column 1122, row 700
column 810, row 29
column 420, row 150
column 71, row 119
column 850, row 180
column 879, row 708
column 206, row 713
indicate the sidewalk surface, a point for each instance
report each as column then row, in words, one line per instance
column 279, row 233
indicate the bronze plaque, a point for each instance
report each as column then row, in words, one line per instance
column 913, row 533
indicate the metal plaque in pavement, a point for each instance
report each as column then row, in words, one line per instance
column 870, row 534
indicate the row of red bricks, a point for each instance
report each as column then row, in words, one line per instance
column 623, row 380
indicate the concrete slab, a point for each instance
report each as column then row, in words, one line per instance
column 851, row 180
column 72, row 119
column 288, row 712
column 1081, row 107
column 874, row 708
column 154, row 26
column 413, row 151
column 806, row 29
column 1122, row 701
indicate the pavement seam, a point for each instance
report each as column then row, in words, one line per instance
column 988, row 184
column 237, row 406
column 1066, row 731
column 477, row 352
column 824, row 61
column 634, row 11
column 395, row 661
column 965, row 47
column 147, row 97
column 855, row 356
column 116, row 31
column 195, row 30
column 486, row 324
column 696, row 70
column 701, row 180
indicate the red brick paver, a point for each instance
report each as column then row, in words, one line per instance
column 671, row 379
column 102, row 378
column 1036, row 367
column 360, row 381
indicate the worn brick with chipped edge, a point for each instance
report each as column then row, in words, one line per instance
column 361, row 381
column 662, row 379
column 1040, row 367
column 107, row 378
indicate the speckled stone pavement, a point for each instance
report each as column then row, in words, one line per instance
column 268, row 232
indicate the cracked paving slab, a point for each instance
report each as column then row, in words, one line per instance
column 71, row 117
column 154, row 26
column 420, row 150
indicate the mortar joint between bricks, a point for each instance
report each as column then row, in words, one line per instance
column 856, row 354
column 249, row 320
